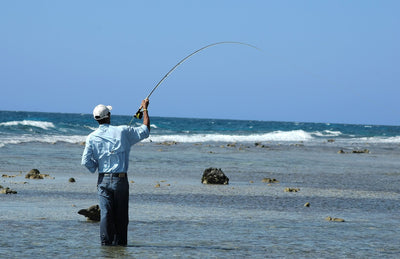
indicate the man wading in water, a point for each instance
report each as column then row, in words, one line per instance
column 107, row 150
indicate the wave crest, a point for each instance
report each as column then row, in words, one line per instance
column 38, row 124
column 47, row 139
column 328, row 133
column 295, row 135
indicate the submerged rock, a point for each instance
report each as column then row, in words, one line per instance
column 334, row 219
column 292, row 189
column 8, row 176
column 7, row 190
column 168, row 143
column 214, row 176
column 259, row 144
column 269, row 180
column 365, row 151
column 35, row 174
column 91, row 213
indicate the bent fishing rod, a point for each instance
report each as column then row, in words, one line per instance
column 139, row 113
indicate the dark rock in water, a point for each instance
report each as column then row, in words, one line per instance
column 287, row 189
column 334, row 219
column 168, row 143
column 214, row 176
column 8, row 176
column 71, row 180
column 35, row 174
column 297, row 145
column 91, row 213
column 365, row 151
column 258, row 144
column 269, row 180
column 7, row 190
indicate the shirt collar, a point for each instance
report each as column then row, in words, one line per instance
column 104, row 126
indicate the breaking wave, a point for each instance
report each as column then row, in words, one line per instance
column 46, row 139
column 38, row 124
column 295, row 135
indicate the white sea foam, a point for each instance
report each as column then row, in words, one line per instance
column 327, row 133
column 295, row 135
column 39, row 124
column 276, row 136
column 50, row 139
column 373, row 140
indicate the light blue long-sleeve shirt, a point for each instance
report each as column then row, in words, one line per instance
column 107, row 148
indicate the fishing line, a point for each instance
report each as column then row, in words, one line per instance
column 139, row 113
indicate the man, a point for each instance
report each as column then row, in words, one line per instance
column 107, row 151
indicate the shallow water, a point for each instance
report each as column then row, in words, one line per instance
column 184, row 218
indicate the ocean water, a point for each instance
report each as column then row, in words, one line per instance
column 186, row 219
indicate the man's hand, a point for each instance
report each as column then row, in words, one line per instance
column 145, row 104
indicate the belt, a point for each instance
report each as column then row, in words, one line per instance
column 120, row 175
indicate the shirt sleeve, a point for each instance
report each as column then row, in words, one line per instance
column 137, row 134
column 87, row 157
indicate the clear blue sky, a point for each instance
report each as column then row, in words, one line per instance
column 322, row 61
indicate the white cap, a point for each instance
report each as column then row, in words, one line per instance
column 101, row 111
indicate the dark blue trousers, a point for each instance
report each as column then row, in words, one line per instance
column 113, row 193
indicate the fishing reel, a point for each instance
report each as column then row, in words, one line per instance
column 139, row 114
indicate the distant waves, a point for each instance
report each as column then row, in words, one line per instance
column 38, row 124
column 50, row 128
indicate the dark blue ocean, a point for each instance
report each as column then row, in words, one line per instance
column 343, row 171
column 27, row 127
